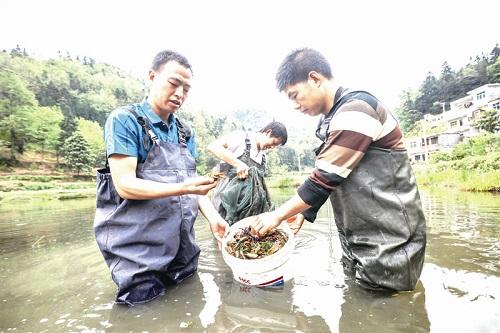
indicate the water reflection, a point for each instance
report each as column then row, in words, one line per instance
column 368, row 311
column 55, row 280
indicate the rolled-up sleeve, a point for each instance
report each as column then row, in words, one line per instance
column 121, row 134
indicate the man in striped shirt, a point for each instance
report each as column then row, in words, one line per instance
column 363, row 167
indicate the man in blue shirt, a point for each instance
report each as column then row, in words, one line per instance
column 148, row 197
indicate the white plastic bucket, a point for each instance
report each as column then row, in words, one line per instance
column 263, row 272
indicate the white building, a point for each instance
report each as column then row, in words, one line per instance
column 457, row 123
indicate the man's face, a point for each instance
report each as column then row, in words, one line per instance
column 266, row 141
column 307, row 97
column 170, row 87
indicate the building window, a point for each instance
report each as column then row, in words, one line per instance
column 417, row 157
column 434, row 140
column 461, row 122
column 453, row 123
column 413, row 144
column 496, row 106
column 481, row 95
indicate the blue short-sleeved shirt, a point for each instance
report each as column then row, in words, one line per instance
column 124, row 135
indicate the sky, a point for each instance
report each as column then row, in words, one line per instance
column 235, row 47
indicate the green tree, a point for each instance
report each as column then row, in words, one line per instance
column 493, row 71
column 274, row 165
column 488, row 121
column 17, row 52
column 44, row 128
column 93, row 134
column 16, row 102
column 407, row 113
column 494, row 54
column 428, row 94
column 76, row 153
column 68, row 128
column 469, row 78
column 89, row 91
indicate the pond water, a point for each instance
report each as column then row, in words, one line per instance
column 55, row 280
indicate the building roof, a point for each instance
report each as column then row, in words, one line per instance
column 489, row 85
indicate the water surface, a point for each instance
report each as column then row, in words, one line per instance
column 55, row 280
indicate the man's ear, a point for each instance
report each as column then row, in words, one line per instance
column 269, row 132
column 314, row 77
column 152, row 74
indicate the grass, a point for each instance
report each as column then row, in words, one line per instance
column 427, row 176
column 30, row 181
column 39, row 183
column 17, row 197
column 285, row 181
column 463, row 180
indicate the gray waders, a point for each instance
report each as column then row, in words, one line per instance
column 379, row 215
column 236, row 198
column 148, row 244
column 380, row 221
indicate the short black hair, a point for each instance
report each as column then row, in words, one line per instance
column 166, row 56
column 278, row 130
column 298, row 64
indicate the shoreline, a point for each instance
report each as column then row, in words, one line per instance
column 45, row 195
column 461, row 180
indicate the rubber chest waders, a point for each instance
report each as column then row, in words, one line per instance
column 379, row 217
column 235, row 198
column 149, row 243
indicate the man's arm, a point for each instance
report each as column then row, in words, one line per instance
column 219, row 148
column 267, row 221
column 351, row 132
column 128, row 186
column 218, row 225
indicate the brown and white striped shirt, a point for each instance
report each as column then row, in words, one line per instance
column 359, row 122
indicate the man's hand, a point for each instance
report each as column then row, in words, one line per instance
column 264, row 223
column 200, row 185
column 220, row 229
column 242, row 170
column 295, row 223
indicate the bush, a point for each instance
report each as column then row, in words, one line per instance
column 476, row 146
column 439, row 157
column 486, row 163
column 35, row 186
column 480, row 152
column 32, row 178
column 465, row 180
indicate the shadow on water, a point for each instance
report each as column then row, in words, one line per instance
column 55, row 280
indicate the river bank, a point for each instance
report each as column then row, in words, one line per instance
column 461, row 180
column 21, row 186
column 427, row 177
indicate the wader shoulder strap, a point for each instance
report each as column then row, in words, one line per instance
column 146, row 126
column 324, row 124
column 183, row 131
column 247, row 146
